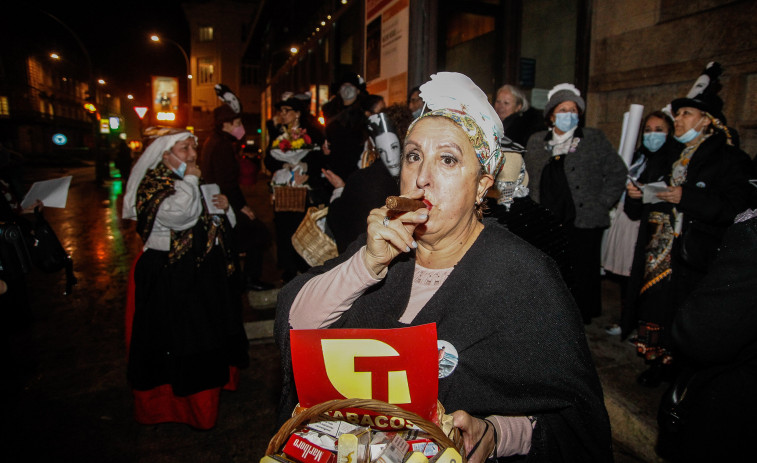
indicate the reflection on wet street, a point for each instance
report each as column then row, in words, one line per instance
column 69, row 399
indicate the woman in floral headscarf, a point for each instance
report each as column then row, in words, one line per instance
column 442, row 264
column 184, row 332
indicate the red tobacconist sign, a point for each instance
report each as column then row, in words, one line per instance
column 399, row 366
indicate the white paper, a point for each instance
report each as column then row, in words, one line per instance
column 650, row 191
column 52, row 193
column 208, row 191
column 635, row 115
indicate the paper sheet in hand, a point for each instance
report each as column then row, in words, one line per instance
column 650, row 191
column 208, row 191
column 52, row 193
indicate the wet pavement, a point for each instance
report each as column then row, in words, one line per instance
column 66, row 397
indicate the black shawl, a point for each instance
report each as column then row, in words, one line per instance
column 518, row 333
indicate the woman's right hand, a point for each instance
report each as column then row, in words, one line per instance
column 193, row 169
column 389, row 235
column 633, row 192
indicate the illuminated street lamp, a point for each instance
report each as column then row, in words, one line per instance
column 158, row 39
column 129, row 96
column 54, row 55
column 101, row 81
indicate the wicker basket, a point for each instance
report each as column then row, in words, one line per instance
column 318, row 413
column 290, row 198
column 315, row 246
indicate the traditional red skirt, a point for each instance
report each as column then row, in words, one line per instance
column 160, row 405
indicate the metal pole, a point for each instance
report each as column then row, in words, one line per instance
column 189, row 80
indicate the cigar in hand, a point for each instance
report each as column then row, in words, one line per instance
column 400, row 204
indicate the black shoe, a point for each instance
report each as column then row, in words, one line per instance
column 652, row 376
column 258, row 286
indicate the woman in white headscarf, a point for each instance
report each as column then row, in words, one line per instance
column 524, row 383
column 184, row 334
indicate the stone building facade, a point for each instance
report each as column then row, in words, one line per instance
column 651, row 51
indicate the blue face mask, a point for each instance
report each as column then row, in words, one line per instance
column 654, row 140
column 566, row 121
column 181, row 169
column 690, row 134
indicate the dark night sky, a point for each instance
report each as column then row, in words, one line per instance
column 116, row 33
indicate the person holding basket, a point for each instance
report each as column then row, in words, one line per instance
column 524, row 382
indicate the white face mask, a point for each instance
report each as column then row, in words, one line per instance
column 388, row 147
column 348, row 92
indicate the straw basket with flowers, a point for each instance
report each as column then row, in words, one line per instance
column 289, row 191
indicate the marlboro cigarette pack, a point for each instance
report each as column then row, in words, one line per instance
column 303, row 451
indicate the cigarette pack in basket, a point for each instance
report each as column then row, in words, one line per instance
column 312, row 243
column 330, row 410
column 290, row 198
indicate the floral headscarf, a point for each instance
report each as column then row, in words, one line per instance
column 456, row 97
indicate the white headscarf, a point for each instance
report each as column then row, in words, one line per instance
column 456, row 97
column 149, row 160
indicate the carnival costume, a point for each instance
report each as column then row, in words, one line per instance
column 185, row 336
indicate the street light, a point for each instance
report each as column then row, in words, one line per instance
column 54, row 56
column 157, row 39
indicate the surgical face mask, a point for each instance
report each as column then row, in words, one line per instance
column 417, row 113
column 348, row 92
column 238, row 131
column 566, row 121
column 690, row 134
column 388, row 147
column 654, row 140
column 181, row 170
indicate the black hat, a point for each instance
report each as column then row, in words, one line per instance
column 707, row 102
column 294, row 103
column 352, row 78
column 704, row 94
column 224, row 113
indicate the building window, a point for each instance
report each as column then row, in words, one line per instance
column 205, row 70
column 206, row 34
column 4, row 109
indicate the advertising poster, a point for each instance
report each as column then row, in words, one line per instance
column 165, row 98
column 399, row 366
column 386, row 48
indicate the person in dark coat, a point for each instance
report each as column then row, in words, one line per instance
column 345, row 130
column 523, row 216
column 708, row 186
column 523, row 366
column 519, row 119
column 648, row 293
column 576, row 173
column 220, row 165
column 714, row 330
column 368, row 188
